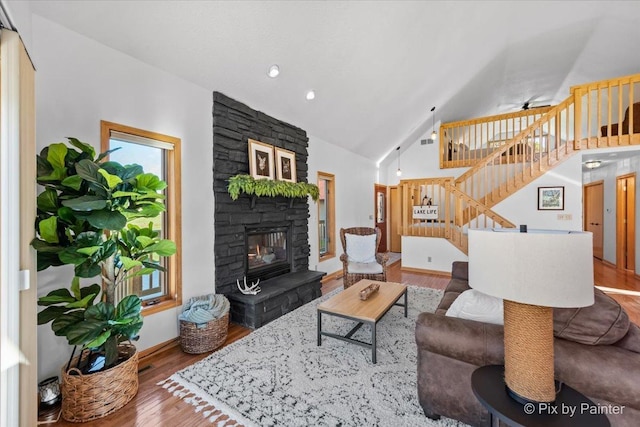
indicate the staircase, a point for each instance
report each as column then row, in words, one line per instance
column 528, row 145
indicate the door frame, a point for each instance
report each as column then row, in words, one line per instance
column 625, row 223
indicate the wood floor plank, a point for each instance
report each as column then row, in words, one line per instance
column 154, row 406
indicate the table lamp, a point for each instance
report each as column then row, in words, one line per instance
column 533, row 272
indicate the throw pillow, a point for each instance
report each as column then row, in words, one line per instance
column 474, row 305
column 361, row 248
column 603, row 323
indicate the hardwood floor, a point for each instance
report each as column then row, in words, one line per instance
column 154, row 406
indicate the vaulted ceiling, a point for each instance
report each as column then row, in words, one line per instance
column 377, row 67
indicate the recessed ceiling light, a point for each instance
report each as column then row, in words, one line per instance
column 592, row 164
column 273, row 72
column 311, row 95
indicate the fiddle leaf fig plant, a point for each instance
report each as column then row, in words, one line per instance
column 89, row 216
column 247, row 184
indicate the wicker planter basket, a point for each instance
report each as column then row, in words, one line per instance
column 212, row 335
column 92, row 396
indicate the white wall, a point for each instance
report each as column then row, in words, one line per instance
column 354, row 179
column 80, row 82
column 416, row 252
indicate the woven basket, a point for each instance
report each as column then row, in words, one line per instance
column 196, row 340
column 92, row 396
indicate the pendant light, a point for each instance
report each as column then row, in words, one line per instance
column 434, row 135
column 398, row 172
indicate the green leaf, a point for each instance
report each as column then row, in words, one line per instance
column 112, row 180
column 85, row 331
column 66, row 214
column 83, row 303
column 129, row 263
column 101, row 339
column 48, row 200
column 106, row 153
column 89, row 238
column 101, row 311
column 150, row 181
column 129, row 307
column 50, row 313
column 75, row 287
column 141, row 272
column 42, row 246
column 88, row 170
column 144, row 241
column 46, row 260
column 111, row 351
column 70, row 255
column 56, row 296
column 88, row 268
column 85, row 203
column 85, row 148
column 56, row 155
column 89, row 250
column 73, row 181
column 48, row 229
column 66, row 321
column 56, row 175
column 106, row 219
column 93, row 289
column 162, row 248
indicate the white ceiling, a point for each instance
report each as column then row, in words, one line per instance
column 377, row 67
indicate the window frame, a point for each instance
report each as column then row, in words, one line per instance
column 173, row 296
column 330, row 180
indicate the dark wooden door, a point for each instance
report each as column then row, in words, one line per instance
column 380, row 209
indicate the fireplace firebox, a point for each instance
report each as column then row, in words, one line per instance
column 268, row 252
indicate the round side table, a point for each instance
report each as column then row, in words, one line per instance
column 571, row 407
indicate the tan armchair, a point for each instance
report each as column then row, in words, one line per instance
column 361, row 259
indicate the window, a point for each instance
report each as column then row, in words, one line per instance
column 158, row 154
column 326, row 216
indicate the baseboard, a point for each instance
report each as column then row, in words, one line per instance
column 331, row 276
column 608, row 264
column 145, row 355
column 423, row 270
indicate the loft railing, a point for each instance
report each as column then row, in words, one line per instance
column 536, row 149
column 608, row 112
column 433, row 207
column 466, row 142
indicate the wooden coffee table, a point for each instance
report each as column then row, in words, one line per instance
column 347, row 304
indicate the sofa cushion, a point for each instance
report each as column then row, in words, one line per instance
column 364, row 268
column 631, row 341
column 460, row 270
column 474, row 305
column 603, row 323
column 361, row 248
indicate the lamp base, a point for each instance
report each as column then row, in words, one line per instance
column 528, row 352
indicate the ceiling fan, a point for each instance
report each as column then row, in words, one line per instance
column 529, row 104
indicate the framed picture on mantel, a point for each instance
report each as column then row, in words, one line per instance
column 285, row 165
column 260, row 160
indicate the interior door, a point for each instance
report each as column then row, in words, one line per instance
column 395, row 209
column 625, row 222
column 380, row 200
column 593, row 215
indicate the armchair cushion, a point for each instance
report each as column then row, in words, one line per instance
column 364, row 268
column 361, row 249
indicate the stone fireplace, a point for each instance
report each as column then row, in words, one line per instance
column 262, row 238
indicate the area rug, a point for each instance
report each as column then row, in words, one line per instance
column 278, row 376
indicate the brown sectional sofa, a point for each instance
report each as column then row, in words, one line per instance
column 450, row 349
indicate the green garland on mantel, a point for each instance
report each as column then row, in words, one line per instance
column 270, row 188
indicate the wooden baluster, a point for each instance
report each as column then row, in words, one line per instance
column 631, row 108
column 609, row 115
column 599, row 112
column 620, row 113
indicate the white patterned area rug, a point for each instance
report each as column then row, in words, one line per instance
column 278, row 376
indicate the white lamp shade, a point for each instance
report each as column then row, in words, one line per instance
column 541, row 267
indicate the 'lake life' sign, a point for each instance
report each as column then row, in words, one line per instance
column 425, row 212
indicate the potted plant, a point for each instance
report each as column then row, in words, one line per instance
column 91, row 214
column 247, row 184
